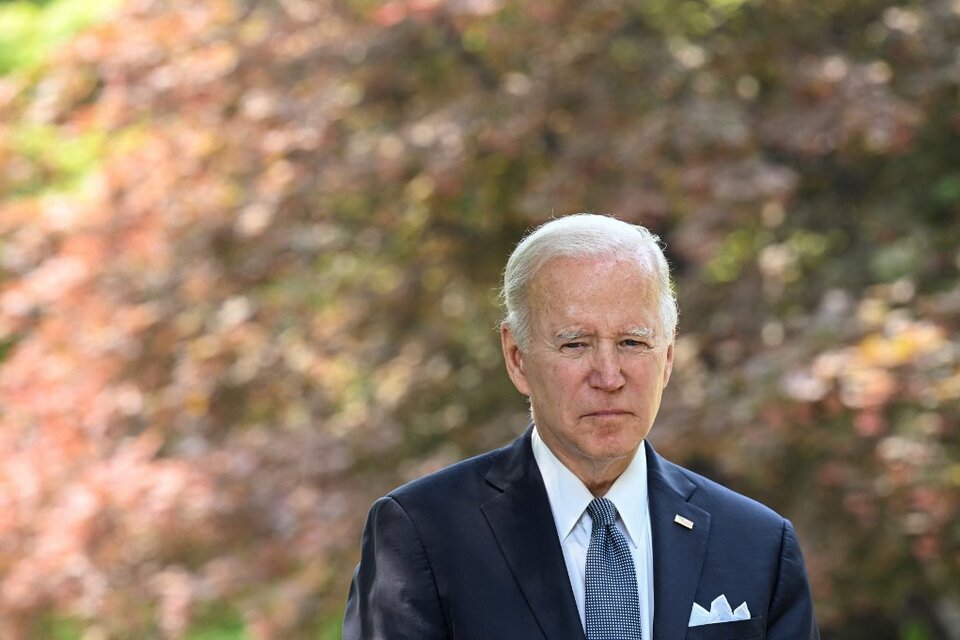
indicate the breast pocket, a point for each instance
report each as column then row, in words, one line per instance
column 751, row 629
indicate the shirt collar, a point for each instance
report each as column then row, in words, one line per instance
column 567, row 494
column 629, row 495
column 569, row 497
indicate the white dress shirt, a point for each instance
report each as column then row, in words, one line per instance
column 569, row 498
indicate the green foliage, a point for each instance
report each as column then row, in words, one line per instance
column 915, row 631
column 32, row 30
column 57, row 628
column 333, row 630
column 738, row 251
column 234, row 631
column 217, row 622
column 61, row 160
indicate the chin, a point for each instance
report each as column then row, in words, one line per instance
column 614, row 448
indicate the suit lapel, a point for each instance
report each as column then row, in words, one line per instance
column 678, row 552
column 522, row 522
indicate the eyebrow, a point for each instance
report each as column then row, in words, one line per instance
column 640, row 332
column 576, row 334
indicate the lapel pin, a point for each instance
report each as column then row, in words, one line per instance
column 683, row 522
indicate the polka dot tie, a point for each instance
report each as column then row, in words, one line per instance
column 612, row 604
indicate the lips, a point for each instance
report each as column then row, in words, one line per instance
column 607, row 413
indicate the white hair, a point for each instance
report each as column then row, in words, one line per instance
column 582, row 235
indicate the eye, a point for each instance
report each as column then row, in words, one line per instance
column 573, row 345
column 633, row 343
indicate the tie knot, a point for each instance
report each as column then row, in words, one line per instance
column 602, row 511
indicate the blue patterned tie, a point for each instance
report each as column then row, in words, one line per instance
column 612, row 605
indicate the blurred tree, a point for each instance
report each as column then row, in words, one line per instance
column 249, row 253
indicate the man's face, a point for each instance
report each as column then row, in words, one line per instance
column 597, row 359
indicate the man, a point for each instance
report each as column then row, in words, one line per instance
column 579, row 529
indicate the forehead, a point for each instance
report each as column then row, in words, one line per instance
column 563, row 272
column 569, row 289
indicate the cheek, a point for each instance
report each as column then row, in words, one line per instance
column 570, row 395
column 556, row 388
column 564, row 381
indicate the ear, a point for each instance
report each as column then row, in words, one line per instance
column 514, row 359
column 668, row 365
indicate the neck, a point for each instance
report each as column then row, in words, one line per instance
column 599, row 481
column 596, row 475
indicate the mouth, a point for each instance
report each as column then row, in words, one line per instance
column 607, row 413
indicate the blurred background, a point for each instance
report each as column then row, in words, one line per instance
column 249, row 252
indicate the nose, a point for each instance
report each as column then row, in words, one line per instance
column 605, row 373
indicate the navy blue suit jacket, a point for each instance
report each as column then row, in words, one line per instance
column 471, row 552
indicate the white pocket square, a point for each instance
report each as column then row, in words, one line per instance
column 719, row 612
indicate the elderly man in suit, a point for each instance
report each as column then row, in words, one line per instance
column 578, row 529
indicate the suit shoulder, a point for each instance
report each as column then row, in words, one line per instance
column 727, row 503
